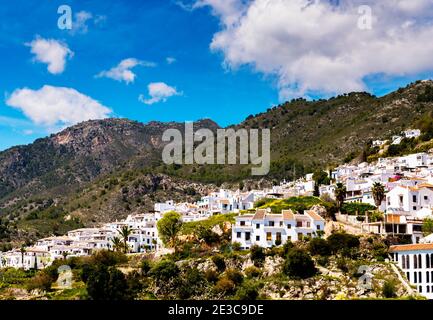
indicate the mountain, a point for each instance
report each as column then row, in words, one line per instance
column 104, row 169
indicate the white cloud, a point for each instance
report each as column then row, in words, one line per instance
column 52, row 52
column 170, row 60
column 54, row 107
column 158, row 91
column 313, row 46
column 80, row 24
column 123, row 71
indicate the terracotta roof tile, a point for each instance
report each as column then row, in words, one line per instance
column 314, row 215
column 260, row 214
column 288, row 215
column 411, row 247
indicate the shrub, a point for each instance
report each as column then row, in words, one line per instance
column 339, row 241
column 164, row 270
column 211, row 276
column 323, row 261
column 108, row 258
column 41, row 281
column 248, row 291
column 235, row 276
column 107, row 284
column 236, row 246
column 257, row 255
column 219, row 262
column 389, row 289
column 145, row 266
column 342, row 264
column 299, row 264
column 320, row 247
column 253, row 272
column 225, row 285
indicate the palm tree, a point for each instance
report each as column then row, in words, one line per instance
column 378, row 191
column 340, row 194
column 117, row 243
column 23, row 251
column 125, row 232
column 64, row 254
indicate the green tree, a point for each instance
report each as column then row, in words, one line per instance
column 125, row 232
column 22, row 251
column 318, row 246
column 299, row 264
column 378, row 191
column 164, row 271
column 117, row 243
column 168, row 228
column 340, row 194
column 427, row 226
column 257, row 255
column 107, row 283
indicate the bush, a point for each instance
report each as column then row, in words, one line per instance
column 107, row 284
column 225, row 285
column 236, row 246
column 340, row 241
column 253, row 272
column 108, row 258
column 323, row 261
column 342, row 264
column 211, row 276
column 219, row 262
column 164, row 270
column 248, row 291
column 257, row 255
column 41, row 281
column 319, row 247
column 145, row 266
column 389, row 290
column 299, row 265
column 235, row 276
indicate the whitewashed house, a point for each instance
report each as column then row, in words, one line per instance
column 416, row 261
column 268, row 229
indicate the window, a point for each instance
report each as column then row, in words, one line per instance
column 308, row 224
column 289, row 238
column 427, row 275
column 242, row 223
column 408, row 276
column 268, row 236
column 428, row 289
column 420, row 289
column 414, row 207
column 415, row 278
column 419, row 261
column 426, row 198
column 281, row 223
column 404, row 262
column 247, row 236
column 271, row 223
column 278, row 236
column 318, row 227
column 257, row 226
column 238, row 235
column 414, row 198
column 257, row 238
column 427, row 261
column 415, row 262
column 289, row 226
column 407, row 262
column 299, row 224
column 419, row 276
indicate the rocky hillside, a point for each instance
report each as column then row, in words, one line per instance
column 105, row 169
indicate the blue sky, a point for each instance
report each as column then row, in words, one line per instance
column 216, row 74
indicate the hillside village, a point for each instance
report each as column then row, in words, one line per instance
column 391, row 199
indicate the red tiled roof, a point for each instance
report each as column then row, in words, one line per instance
column 260, row 214
column 411, row 247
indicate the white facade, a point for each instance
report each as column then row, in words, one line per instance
column 416, row 261
column 266, row 229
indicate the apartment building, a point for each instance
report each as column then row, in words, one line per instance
column 267, row 229
column 416, row 261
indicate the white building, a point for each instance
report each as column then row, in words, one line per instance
column 412, row 133
column 416, row 261
column 410, row 200
column 268, row 229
